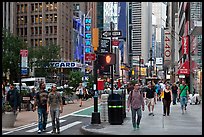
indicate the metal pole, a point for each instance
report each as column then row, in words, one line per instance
column 20, row 84
column 111, row 50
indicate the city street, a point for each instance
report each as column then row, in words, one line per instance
column 73, row 123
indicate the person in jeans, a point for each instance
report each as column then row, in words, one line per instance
column 150, row 97
column 174, row 89
column 55, row 106
column 183, row 92
column 41, row 98
column 136, row 101
column 13, row 97
column 167, row 100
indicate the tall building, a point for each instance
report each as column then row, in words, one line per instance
column 9, row 16
column 139, row 31
column 41, row 23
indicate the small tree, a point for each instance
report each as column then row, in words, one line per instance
column 74, row 78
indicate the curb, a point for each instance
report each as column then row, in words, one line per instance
column 92, row 129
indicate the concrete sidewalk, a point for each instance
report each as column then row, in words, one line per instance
column 29, row 117
column 189, row 123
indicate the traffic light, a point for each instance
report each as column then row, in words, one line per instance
column 106, row 59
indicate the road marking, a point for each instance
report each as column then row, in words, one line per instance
column 81, row 115
column 48, row 125
column 67, row 126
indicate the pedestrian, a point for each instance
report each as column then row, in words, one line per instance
column 150, row 97
column 55, row 106
column 79, row 93
column 13, row 97
column 174, row 89
column 158, row 91
column 136, row 102
column 183, row 95
column 32, row 97
column 166, row 99
column 41, row 104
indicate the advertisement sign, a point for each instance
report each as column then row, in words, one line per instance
column 167, row 46
column 185, row 43
column 88, row 35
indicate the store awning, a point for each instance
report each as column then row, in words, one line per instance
column 184, row 69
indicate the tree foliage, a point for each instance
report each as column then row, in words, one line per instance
column 74, row 78
column 11, row 46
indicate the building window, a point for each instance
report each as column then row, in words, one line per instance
column 40, row 18
column 32, row 8
column 47, row 18
column 55, row 41
column 32, row 42
column 40, row 42
column 32, row 19
column 55, row 18
column 18, row 31
column 22, row 8
column 51, row 18
column 32, row 31
column 36, row 6
column 47, row 6
column 21, row 31
column 46, row 29
column 22, row 20
column 36, row 42
column 36, row 30
column 19, row 20
column 25, row 31
column 55, row 29
column 18, row 8
column 51, row 31
column 40, row 30
column 36, row 19
column 26, row 8
column 55, row 5
column 51, row 7
column 40, row 7
column 25, row 21
column 46, row 41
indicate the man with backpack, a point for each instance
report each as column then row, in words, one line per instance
column 136, row 102
column 55, row 106
column 41, row 98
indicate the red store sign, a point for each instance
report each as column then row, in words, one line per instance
column 185, row 43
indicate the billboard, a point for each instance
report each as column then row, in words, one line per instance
column 167, row 46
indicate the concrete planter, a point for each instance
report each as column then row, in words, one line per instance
column 8, row 119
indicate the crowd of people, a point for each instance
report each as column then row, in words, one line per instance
column 141, row 95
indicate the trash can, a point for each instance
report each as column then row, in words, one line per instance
column 115, row 109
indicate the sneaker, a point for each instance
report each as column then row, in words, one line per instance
column 164, row 114
column 79, row 105
column 39, row 131
column 138, row 126
column 53, row 132
column 44, row 130
column 58, row 132
column 152, row 114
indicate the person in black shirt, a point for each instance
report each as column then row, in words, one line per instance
column 150, row 97
column 167, row 100
column 41, row 101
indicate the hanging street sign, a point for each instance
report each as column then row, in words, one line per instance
column 115, row 33
column 90, row 56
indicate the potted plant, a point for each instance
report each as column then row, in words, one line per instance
column 8, row 115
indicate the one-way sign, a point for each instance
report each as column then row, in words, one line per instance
column 115, row 33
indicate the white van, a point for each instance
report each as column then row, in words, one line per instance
column 33, row 82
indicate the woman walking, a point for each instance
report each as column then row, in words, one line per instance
column 135, row 101
column 174, row 93
column 167, row 98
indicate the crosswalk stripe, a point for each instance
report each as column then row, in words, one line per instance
column 48, row 125
column 67, row 126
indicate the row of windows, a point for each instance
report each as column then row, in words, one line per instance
column 22, row 20
column 22, row 8
column 38, row 42
column 22, row 31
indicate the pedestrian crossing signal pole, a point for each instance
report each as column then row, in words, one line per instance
column 95, row 119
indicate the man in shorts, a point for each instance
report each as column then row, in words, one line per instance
column 150, row 97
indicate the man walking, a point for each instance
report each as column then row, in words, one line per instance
column 55, row 106
column 150, row 96
column 183, row 94
column 41, row 101
column 135, row 100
